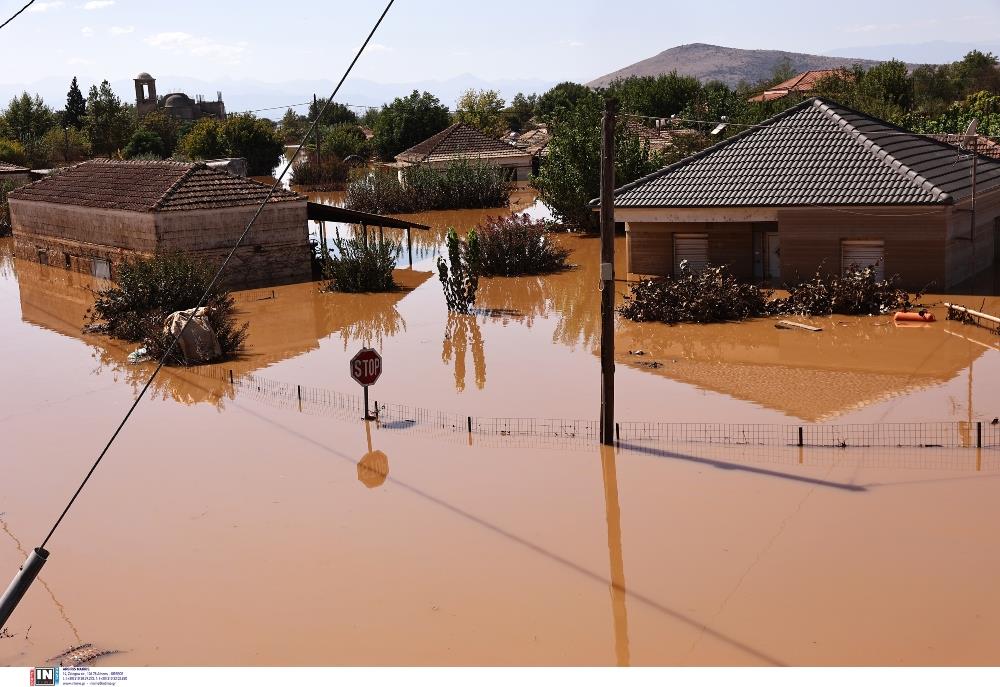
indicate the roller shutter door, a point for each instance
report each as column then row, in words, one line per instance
column 863, row 254
column 693, row 248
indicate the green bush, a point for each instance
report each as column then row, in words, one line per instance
column 147, row 290
column 858, row 292
column 330, row 171
column 516, row 244
column 242, row 135
column 146, row 144
column 343, row 141
column 13, row 152
column 362, row 264
column 459, row 185
column 460, row 275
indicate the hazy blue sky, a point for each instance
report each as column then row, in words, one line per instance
column 434, row 39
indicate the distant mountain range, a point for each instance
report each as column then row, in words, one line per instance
column 728, row 65
column 247, row 94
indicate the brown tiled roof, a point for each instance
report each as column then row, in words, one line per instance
column 982, row 144
column 8, row 168
column 534, row 141
column 658, row 139
column 458, row 141
column 148, row 186
column 800, row 83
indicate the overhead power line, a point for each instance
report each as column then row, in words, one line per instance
column 23, row 580
column 14, row 16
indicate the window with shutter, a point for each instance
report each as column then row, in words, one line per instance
column 863, row 254
column 693, row 248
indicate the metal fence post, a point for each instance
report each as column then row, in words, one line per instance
column 800, row 436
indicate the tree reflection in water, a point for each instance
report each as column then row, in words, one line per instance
column 373, row 327
column 460, row 332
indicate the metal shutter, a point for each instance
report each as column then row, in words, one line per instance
column 693, row 248
column 863, row 254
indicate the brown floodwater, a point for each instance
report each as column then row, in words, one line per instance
column 226, row 529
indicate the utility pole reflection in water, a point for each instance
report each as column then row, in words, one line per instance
column 617, row 564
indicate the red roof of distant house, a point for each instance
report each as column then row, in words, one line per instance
column 981, row 144
column 458, row 141
column 800, row 83
column 148, row 186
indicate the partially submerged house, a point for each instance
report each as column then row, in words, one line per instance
column 95, row 215
column 817, row 187
column 461, row 142
column 802, row 84
column 14, row 173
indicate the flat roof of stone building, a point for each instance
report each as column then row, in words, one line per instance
column 8, row 168
column 148, row 186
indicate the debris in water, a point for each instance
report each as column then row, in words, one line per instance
column 639, row 352
column 139, row 355
column 81, row 655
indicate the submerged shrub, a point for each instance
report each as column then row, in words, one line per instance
column 460, row 275
column 147, row 290
column 715, row 295
column 709, row 295
column 459, row 185
column 362, row 264
column 859, row 291
column 516, row 244
column 330, row 170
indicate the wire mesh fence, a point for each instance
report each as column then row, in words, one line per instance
column 529, row 431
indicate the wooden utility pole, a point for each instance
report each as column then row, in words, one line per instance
column 608, row 272
column 319, row 162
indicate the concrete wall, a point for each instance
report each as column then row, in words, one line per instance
column 914, row 241
column 650, row 245
column 959, row 250
column 275, row 252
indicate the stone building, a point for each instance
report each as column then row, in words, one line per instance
column 818, row 187
column 95, row 215
column 177, row 105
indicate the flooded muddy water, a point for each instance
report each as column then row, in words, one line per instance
column 224, row 529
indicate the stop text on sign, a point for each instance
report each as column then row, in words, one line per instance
column 366, row 366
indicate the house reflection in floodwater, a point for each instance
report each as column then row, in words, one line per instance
column 284, row 323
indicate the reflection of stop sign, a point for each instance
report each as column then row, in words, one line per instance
column 366, row 366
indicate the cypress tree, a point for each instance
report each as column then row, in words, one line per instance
column 76, row 106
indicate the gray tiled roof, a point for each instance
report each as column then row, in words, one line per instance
column 816, row 153
column 148, row 186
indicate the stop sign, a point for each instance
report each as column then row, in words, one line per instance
column 366, row 366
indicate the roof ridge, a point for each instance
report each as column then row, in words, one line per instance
column 162, row 200
column 878, row 151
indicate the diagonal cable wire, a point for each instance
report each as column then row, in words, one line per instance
column 215, row 279
column 30, row 3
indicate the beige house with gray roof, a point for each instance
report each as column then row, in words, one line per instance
column 461, row 142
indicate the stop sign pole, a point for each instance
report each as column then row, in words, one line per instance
column 366, row 368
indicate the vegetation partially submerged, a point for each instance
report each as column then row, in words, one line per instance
column 516, row 245
column 148, row 290
column 460, row 185
column 362, row 264
column 714, row 294
column 460, row 274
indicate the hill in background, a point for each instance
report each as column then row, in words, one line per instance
column 728, row 65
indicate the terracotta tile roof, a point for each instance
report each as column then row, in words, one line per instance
column 8, row 168
column 983, row 145
column 458, row 141
column 658, row 139
column 800, row 83
column 148, row 186
column 534, row 141
column 816, row 153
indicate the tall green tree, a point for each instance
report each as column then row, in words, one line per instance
column 292, row 126
column 335, row 113
column 483, row 110
column 520, row 111
column 407, row 121
column 570, row 175
column 27, row 118
column 109, row 123
column 76, row 107
column 655, row 96
column 560, row 96
column 242, row 135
